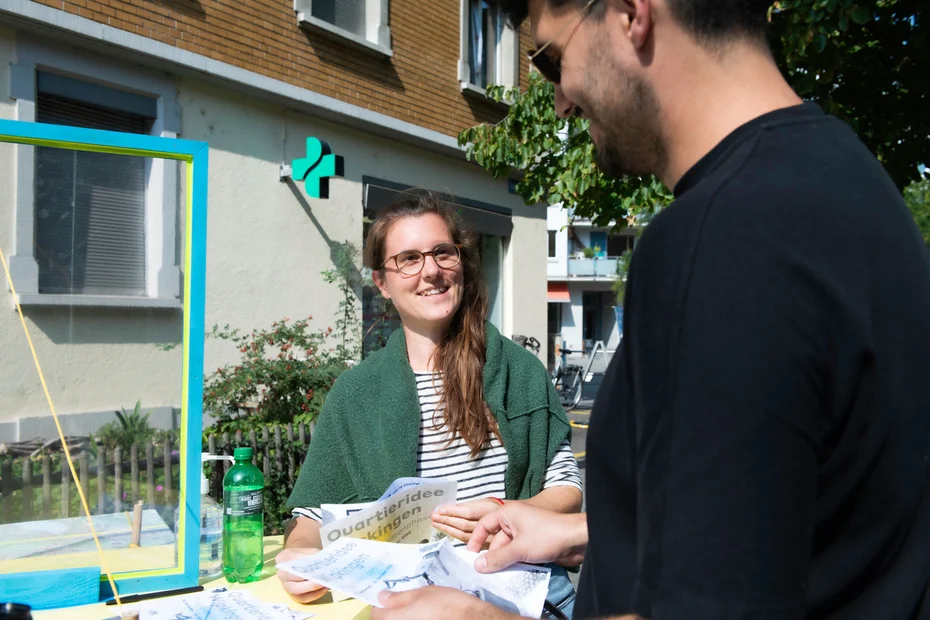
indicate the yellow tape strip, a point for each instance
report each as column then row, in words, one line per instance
column 96, row 148
column 61, row 435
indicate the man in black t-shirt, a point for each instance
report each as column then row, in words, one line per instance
column 760, row 446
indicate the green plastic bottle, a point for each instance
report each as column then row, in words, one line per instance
column 243, row 520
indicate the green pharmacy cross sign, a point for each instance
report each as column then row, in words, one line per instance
column 316, row 168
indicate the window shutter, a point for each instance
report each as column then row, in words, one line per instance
column 89, row 207
column 346, row 14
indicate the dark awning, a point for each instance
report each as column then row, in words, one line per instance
column 486, row 219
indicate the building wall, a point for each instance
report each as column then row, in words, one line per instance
column 267, row 244
column 557, row 220
column 418, row 84
column 573, row 316
column 573, row 319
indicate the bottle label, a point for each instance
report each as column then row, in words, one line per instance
column 242, row 504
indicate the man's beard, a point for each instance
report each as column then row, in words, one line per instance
column 631, row 141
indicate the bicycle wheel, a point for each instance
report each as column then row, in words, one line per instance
column 577, row 389
column 570, row 388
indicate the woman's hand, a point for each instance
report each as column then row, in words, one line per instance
column 300, row 589
column 459, row 520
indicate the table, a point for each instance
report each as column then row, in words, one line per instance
column 268, row 589
column 67, row 543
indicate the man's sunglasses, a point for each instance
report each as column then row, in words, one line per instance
column 549, row 68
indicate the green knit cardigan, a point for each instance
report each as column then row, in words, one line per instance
column 368, row 430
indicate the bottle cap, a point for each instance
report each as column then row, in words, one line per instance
column 243, row 454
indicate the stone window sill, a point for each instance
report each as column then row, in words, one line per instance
column 326, row 29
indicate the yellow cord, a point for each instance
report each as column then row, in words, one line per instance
column 61, row 435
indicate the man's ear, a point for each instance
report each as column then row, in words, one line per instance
column 641, row 28
column 638, row 19
column 378, row 278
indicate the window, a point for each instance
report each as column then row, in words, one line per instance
column 554, row 319
column 618, row 245
column 489, row 47
column 491, row 271
column 485, row 29
column 89, row 207
column 551, row 244
column 599, row 242
column 348, row 15
column 94, row 229
column 362, row 22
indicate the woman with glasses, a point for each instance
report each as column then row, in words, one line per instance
column 448, row 397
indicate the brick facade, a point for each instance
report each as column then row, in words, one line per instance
column 418, row 85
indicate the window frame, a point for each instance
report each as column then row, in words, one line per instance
column 163, row 270
column 377, row 37
column 601, row 235
column 195, row 155
column 553, row 248
column 629, row 237
column 507, row 69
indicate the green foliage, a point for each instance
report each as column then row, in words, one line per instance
column 556, row 170
column 277, row 480
column 347, row 277
column 917, row 197
column 128, row 428
column 591, row 252
column 867, row 63
column 283, row 375
column 165, row 502
column 623, row 268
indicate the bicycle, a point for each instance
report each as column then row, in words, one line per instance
column 527, row 342
column 568, row 379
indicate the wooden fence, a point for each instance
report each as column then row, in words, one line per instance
column 273, row 451
column 41, row 487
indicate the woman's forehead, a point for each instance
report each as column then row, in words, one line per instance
column 421, row 232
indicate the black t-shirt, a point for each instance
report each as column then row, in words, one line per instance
column 760, row 446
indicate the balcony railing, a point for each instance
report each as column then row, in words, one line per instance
column 577, row 220
column 593, row 267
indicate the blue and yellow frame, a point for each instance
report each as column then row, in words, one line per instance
column 195, row 155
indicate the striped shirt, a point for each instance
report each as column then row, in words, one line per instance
column 479, row 477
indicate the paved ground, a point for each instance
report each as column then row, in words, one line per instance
column 581, row 414
column 579, row 421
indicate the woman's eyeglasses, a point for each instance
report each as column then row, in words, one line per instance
column 549, row 68
column 410, row 262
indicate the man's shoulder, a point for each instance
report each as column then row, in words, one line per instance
column 796, row 180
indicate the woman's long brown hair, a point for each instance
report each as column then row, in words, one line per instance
column 461, row 354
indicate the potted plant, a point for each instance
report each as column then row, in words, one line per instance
column 591, row 252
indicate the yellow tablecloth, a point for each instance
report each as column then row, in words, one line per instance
column 268, row 589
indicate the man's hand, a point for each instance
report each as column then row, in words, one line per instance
column 300, row 589
column 435, row 602
column 523, row 533
column 459, row 520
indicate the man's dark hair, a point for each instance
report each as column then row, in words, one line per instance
column 707, row 20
